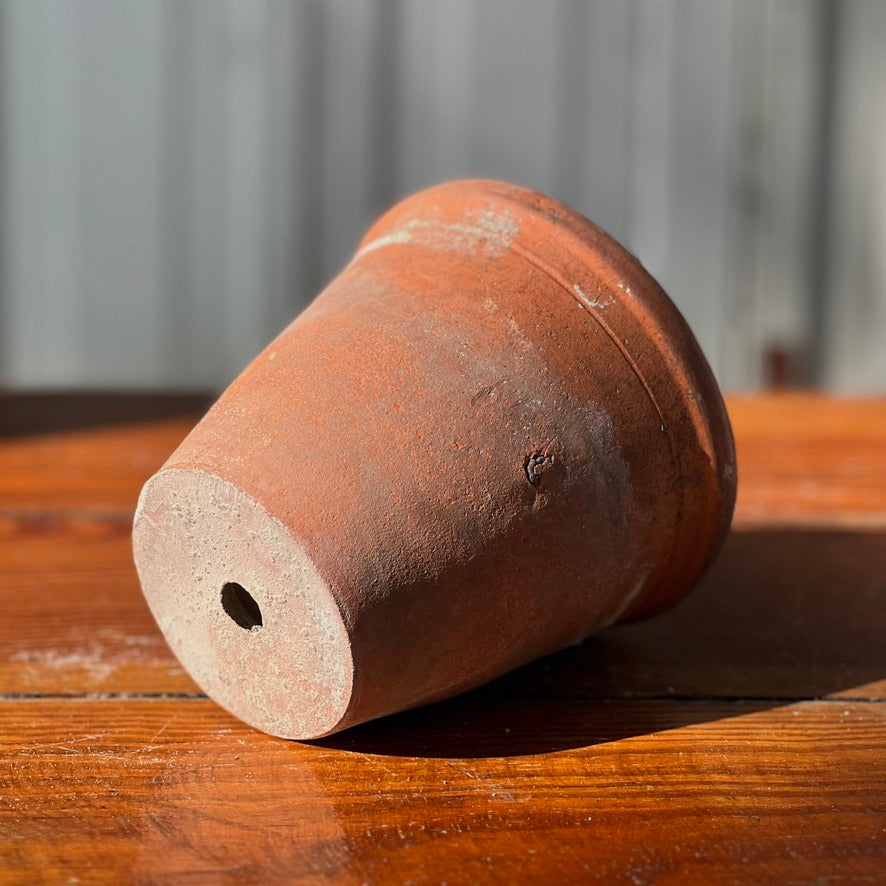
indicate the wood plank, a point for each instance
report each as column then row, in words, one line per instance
column 809, row 459
column 159, row 791
column 86, row 454
column 74, row 619
column 803, row 459
column 96, row 473
column 676, row 750
column 791, row 613
column 782, row 614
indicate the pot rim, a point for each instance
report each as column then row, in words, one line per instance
column 560, row 242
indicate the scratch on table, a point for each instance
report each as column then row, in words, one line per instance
column 61, row 744
column 150, row 746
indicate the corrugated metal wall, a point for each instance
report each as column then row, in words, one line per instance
column 179, row 177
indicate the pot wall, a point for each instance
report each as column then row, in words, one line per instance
column 489, row 436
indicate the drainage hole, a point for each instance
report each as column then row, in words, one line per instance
column 240, row 605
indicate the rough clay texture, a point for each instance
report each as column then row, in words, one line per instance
column 491, row 435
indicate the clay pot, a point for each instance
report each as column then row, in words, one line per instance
column 489, row 436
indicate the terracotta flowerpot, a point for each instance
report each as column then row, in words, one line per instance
column 491, row 435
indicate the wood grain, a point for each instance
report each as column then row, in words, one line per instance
column 808, row 459
column 86, row 456
column 740, row 737
column 804, row 459
column 782, row 614
column 173, row 791
column 74, row 619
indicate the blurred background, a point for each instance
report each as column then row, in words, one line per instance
column 178, row 178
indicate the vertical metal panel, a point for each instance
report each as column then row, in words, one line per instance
column 118, row 66
column 179, row 178
column 42, row 329
column 435, row 95
column 351, row 157
column 773, row 182
column 245, row 88
column 150, row 186
column 606, row 73
column 856, row 311
column 649, row 152
column 513, row 92
column 699, row 226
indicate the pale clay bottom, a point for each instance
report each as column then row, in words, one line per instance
column 195, row 534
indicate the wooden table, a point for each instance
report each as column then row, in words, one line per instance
column 739, row 738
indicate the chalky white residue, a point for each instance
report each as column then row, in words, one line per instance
column 401, row 235
column 100, row 655
column 595, row 302
column 91, row 658
column 496, row 226
column 491, row 228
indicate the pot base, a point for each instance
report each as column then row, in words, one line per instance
column 242, row 606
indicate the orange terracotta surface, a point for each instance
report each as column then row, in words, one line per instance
column 491, row 435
